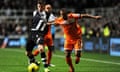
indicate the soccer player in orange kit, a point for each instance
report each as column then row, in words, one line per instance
column 73, row 33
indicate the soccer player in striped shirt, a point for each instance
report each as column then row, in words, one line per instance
column 39, row 34
column 48, row 41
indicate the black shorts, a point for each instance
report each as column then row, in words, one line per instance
column 33, row 40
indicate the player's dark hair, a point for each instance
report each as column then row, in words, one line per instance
column 64, row 13
column 40, row 2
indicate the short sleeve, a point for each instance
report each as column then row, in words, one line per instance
column 74, row 15
column 59, row 20
column 52, row 17
column 34, row 13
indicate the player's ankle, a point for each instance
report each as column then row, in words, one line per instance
column 77, row 60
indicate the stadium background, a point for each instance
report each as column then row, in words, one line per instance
column 98, row 35
column 101, row 37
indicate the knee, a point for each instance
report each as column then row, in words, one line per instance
column 41, row 48
column 50, row 48
column 78, row 54
column 28, row 53
column 68, row 54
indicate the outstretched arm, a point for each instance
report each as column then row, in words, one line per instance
column 90, row 16
column 62, row 22
column 50, row 23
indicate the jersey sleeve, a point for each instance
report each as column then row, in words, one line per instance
column 34, row 13
column 57, row 21
column 74, row 15
column 61, row 21
column 52, row 17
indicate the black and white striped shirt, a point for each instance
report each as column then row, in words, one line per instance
column 39, row 21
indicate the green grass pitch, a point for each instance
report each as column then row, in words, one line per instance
column 14, row 60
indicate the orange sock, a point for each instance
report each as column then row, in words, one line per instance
column 36, row 52
column 49, row 56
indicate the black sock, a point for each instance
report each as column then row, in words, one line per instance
column 31, row 58
column 43, row 59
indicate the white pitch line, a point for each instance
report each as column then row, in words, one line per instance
column 60, row 56
column 101, row 61
column 92, row 60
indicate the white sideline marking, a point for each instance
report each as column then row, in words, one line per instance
column 93, row 60
column 60, row 56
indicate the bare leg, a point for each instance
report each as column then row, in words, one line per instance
column 69, row 60
column 78, row 55
column 49, row 54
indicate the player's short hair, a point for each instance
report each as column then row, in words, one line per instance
column 65, row 13
column 40, row 2
column 64, row 10
column 48, row 5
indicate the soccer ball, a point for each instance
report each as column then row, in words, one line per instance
column 33, row 67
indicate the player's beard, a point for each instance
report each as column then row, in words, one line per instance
column 65, row 16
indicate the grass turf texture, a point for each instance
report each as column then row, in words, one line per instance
column 14, row 60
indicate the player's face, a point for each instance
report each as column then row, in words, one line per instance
column 48, row 8
column 40, row 7
column 61, row 12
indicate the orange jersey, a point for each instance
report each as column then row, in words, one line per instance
column 72, row 30
column 48, row 37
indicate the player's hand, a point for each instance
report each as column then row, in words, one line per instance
column 98, row 17
column 65, row 22
column 48, row 23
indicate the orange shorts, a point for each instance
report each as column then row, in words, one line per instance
column 48, row 40
column 71, row 44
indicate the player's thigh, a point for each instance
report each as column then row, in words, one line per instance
column 30, row 45
column 40, row 43
column 48, row 41
column 68, row 45
column 40, row 40
column 78, row 44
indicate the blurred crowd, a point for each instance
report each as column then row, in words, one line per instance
column 16, row 4
column 14, row 28
column 15, row 16
column 107, row 26
column 77, row 4
column 83, row 3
